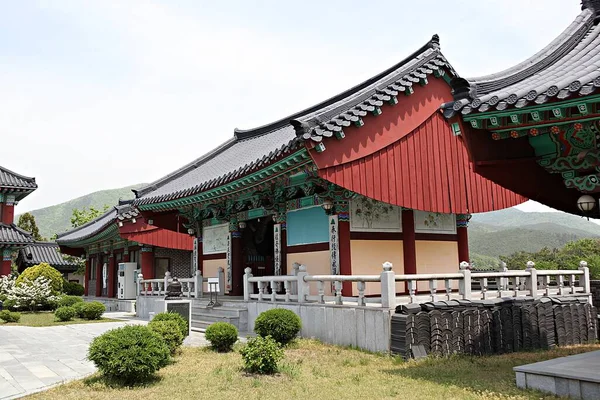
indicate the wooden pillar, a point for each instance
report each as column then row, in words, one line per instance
column 344, row 245
column 235, row 260
column 199, row 253
column 280, row 245
column 408, row 242
column 8, row 209
column 112, row 271
column 99, row 275
column 86, row 280
column 126, row 254
column 462, row 223
column 147, row 261
column 5, row 262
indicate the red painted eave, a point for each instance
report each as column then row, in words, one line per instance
column 151, row 235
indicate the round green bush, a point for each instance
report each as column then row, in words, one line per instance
column 45, row 270
column 281, row 324
column 10, row 316
column 261, row 355
column 73, row 289
column 130, row 354
column 171, row 316
column 69, row 301
column 78, row 307
column 65, row 313
column 222, row 336
column 170, row 332
column 92, row 310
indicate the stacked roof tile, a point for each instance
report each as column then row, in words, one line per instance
column 568, row 66
column 46, row 252
column 89, row 229
column 13, row 236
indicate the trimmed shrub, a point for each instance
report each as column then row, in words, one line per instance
column 48, row 272
column 222, row 336
column 10, row 304
column 92, row 310
column 10, row 316
column 261, row 355
column 281, row 324
column 130, row 354
column 65, row 313
column 69, row 301
column 171, row 316
column 73, row 289
column 170, row 332
column 78, row 307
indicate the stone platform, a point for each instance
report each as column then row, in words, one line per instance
column 577, row 377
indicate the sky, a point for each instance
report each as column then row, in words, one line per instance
column 103, row 94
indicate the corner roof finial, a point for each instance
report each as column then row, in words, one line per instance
column 593, row 5
column 435, row 41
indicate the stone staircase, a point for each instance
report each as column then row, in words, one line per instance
column 235, row 313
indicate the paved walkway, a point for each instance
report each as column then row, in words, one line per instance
column 33, row 359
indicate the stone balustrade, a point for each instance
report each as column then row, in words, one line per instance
column 194, row 287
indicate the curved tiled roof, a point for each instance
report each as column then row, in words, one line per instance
column 251, row 149
column 40, row 252
column 568, row 66
column 399, row 79
column 12, row 235
column 89, row 229
column 12, row 182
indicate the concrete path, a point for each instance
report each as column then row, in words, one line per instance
column 34, row 359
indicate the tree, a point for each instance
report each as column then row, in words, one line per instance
column 85, row 215
column 27, row 223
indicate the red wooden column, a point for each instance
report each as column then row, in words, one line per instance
column 147, row 261
column 200, row 253
column 110, row 281
column 5, row 262
column 462, row 223
column 86, row 281
column 408, row 242
column 8, row 210
column 235, row 261
column 99, row 275
column 126, row 254
column 343, row 213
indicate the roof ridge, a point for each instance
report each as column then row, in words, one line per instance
column 27, row 178
column 434, row 42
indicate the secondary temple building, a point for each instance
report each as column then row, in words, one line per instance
column 373, row 174
column 123, row 235
column 13, row 188
column 535, row 128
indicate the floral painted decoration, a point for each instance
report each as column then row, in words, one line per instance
column 514, row 134
column 555, row 130
column 534, row 132
column 577, row 127
column 495, row 136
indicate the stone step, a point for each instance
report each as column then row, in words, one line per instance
column 215, row 318
column 224, row 311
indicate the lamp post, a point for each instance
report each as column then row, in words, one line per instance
column 586, row 204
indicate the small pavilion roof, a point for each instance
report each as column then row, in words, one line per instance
column 568, row 66
column 47, row 252
column 11, row 182
column 13, row 236
column 249, row 150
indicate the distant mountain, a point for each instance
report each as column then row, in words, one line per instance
column 507, row 231
column 56, row 219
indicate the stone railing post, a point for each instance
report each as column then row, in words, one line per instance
column 388, row 286
column 221, row 276
column 140, row 286
column 198, row 284
column 586, row 280
column 465, row 284
column 303, row 288
column 295, row 270
column 166, row 282
column 248, row 286
column 532, row 279
column 503, row 281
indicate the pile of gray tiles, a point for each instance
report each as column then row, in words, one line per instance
column 496, row 326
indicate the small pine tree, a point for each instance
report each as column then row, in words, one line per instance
column 27, row 223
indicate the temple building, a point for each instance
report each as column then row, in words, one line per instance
column 123, row 235
column 13, row 188
column 535, row 127
column 47, row 252
column 373, row 174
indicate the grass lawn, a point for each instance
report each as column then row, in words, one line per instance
column 312, row 370
column 46, row 318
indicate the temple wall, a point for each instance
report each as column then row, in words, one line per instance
column 316, row 262
column 436, row 257
column 368, row 257
column 210, row 268
column 180, row 261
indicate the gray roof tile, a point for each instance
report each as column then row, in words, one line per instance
column 13, row 182
column 89, row 229
column 569, row 65
column 40, row 252
column 12, row 235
